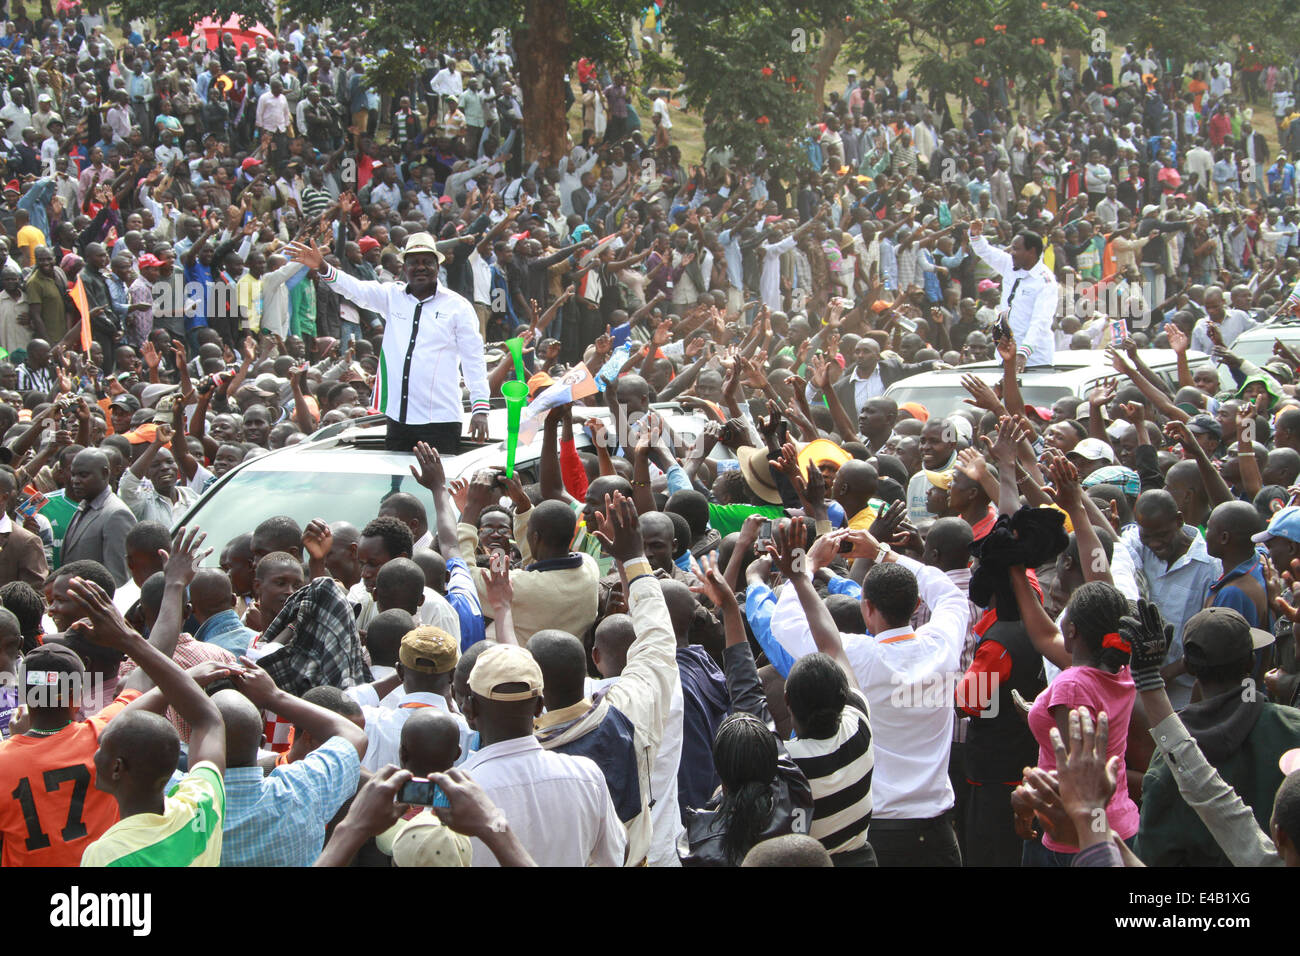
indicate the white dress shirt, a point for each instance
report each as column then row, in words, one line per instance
column 273, row 112
column 1029, row 296
column 384, row 726
column 1235, row 321
column 436, row 611
column 557, row 805
column 428, row 344
column 907, row 678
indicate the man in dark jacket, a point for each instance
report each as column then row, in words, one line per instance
column 1240, row 734
column 872, row 374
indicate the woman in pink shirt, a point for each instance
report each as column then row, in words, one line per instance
column 1097, row 678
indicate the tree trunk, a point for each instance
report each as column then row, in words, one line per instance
column 543, row 49
column 832, row 41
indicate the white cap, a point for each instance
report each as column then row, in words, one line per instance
column 1094, row 449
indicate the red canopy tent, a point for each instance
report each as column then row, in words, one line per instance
column 212, row 32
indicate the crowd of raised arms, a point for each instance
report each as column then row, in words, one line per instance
column 827, row 628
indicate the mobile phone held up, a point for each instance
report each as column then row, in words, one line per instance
column 1003, row 329
column 423, row 792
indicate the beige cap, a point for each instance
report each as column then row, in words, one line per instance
column 421, row 242
column 425, row 841
column 429, row 650
column 505, row 664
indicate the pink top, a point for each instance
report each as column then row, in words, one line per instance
column 1099, row 691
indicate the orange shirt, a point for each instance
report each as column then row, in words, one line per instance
column 1197, row 88
column 50, row 809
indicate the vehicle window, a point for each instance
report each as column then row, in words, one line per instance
column 251, row 497
column 944, row 400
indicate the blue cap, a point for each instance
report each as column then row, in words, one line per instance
column 1284, row 524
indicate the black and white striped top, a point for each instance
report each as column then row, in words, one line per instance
column 839, row 770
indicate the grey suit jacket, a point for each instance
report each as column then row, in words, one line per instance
column 99, row 534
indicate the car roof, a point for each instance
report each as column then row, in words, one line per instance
column 357, row 447
column 1069, row 368
column 1288, row 331
column 1072, row 374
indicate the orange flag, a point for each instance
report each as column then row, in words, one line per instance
column 78, row 295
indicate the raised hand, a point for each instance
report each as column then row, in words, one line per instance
column 982, row 394
column 789, row 538
column 887, row 521
column 428, row 469
column 1103, row 393
column 1010, row 433
column 712, row 584
column 496, row 581
column 318, row 539
column 103, row 623
column 186, row 554
column 1067, row 492
column 620, row 532
column 1178, row 340
column 971, row 464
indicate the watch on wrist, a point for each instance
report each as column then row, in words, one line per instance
column 883, row 550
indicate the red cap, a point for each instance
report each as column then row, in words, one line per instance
column 367, row 243
column 250, row 163
column 13, row 184
column 148, row 260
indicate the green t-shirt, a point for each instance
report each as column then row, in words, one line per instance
column 186, row 833
column 48, row 294
column 725, row 519
column 58, row 511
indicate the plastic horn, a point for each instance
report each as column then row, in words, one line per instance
column 516, row 396
column 516, row 347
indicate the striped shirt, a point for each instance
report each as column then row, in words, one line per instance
column 186, row 833
column 314, row 202
column 839, row 770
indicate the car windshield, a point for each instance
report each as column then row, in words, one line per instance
column 251, row 497
column 943, row 400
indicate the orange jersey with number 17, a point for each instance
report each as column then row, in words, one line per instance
column 50, row 809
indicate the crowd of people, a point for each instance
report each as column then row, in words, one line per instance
column 829, row 629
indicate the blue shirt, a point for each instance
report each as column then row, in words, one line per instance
column 198, row 275
column 1224, row 593
column 279, row 820
column 226, row 631
column 463, row 598
column 760, row 602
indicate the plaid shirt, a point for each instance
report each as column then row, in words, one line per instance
column 279, row 819
column 189, row 653
column 323, row 648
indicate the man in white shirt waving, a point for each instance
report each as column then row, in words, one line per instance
column 905, row 675
column 429, row 331
column 1029, row 292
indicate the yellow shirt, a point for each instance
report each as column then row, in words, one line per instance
column 29, row 237
column 248, row 294
column 863, row 520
